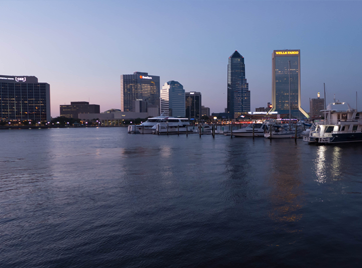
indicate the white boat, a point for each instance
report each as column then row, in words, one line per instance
column 146, row 127
column 205, row 129
column 283, row 132
column 259, row 130
column 132, row 129
column 342, row 124
column 172, row 125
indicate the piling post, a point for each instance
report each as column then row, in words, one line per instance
column 271, row 131
column 253, row 130
column 187, row 131
column 199, row 130
column 178, row 130
column 296, row 132
column 158, row 129
column 213, row 131
column 231, row 131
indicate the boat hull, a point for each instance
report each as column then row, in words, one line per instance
column 280, row 136
column 341, row 138
column 144, row 130
column 173, row 131
column 248, row 134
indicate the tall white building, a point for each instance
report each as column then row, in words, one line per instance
column 173, row 99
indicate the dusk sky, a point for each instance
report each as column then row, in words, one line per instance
column 82, row 47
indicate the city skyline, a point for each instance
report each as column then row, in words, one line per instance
column 83, row 56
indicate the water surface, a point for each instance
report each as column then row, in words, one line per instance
column 100, row 197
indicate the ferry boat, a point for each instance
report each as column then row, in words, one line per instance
column 342, row 124
column 146, row 127
column 172, row 125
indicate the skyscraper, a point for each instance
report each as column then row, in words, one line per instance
column 24, row 98
column 139, row 86
column 193, row 105
column 238, row 94
column 173, row 99
column 286, row 74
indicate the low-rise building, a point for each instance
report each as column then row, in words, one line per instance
column 115, row 118
column 78, row 107
column 205, row 111
column 316, row 105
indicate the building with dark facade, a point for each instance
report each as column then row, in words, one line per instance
column 140, row 106
column 264, row 109
column 205, row 111
column 316, row 105
column 193, row 105
column 24, row 98
column 173, row 99
column 286, row 75
column 78, row 107
column 139, row 86
column 238, row 94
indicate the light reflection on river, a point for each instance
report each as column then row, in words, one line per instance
column 102, row 197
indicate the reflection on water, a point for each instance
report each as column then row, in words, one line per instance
column 328, row 163
column 165, row 151
column 336, row 172
column 238, row 172
column 287, row 191
column 320, row 164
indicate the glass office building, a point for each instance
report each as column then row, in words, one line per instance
column 193, row 105
column 24, row 98
column 139, row 86
column 173, row 99
column 285, row 75
column 238, row 94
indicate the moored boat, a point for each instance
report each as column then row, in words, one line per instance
column 283, row 132
column 342, row 124
column 252, row 130
column 172, row 125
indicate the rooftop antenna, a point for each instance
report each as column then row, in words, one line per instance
column 325, row 108
column 356, row 101
column 290, row 108
column 324, row 85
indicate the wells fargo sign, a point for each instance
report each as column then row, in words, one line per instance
column 287, row 52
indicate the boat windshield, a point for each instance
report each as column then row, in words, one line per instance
column 329, row 129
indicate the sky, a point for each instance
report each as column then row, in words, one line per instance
column 81, row 48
